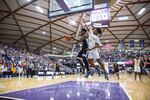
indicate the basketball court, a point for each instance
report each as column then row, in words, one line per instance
column 37, row 36
column 75, row 87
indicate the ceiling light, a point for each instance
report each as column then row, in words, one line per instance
column 107, row 41
column 123, row 18
column 54, row 48
column 40, row 9
column 28, row 0
column 141, row 11
column 43, row 32
column 136, row 40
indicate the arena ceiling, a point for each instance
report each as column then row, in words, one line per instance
column 22, row 25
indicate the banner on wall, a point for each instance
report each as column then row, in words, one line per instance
column 131, row 44
column 122, row 44
column 101, row 14
column 142, row 43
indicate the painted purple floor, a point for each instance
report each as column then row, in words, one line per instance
column 73, row 90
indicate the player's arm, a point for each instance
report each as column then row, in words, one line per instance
column 99, row 43
column 75, row 41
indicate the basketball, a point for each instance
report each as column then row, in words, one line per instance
column 68, row 37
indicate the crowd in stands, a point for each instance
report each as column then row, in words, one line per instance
column 16, row 61
column 123, row 55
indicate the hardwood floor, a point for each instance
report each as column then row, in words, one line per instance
column 136, row 90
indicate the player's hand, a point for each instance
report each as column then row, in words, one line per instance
column 87, row 49
column 90, row 49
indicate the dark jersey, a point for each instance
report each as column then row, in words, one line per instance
column 116, row 68
column 84, row 44
column 84, row 48
column 57, row 68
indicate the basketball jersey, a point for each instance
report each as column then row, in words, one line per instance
column 92, row 40
column 136, row 63
column 116, row 68
column 84, row 44
column 106, row 64
column 0, row 68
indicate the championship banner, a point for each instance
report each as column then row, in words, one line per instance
column 131, row 44
column 141, row 43
column 101, row 14
column 122, row 44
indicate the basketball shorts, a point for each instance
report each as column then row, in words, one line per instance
column 93, row 54
column 137, row 69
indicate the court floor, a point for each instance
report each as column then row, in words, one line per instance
column 134, row 90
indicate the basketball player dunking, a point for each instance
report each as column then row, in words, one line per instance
column 93, row 54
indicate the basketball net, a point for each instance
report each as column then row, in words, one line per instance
column 72, row 20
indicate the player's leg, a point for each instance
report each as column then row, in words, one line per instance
column 117, row 74
column 86, row 63
column 98, row 70
column 139, row 76
column 91, row 63
column 80, row 59
column 54, row 74
column 102, row 66
column 139, row 72
column 135, row 73
column 97, row 57
column 59, row 72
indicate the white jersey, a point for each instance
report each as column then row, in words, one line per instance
column 106, row 64
column 137, row 65
column 92, row 40
column 2, row 68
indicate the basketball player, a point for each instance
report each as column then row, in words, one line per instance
column 137, row 68
column 57, row 69
column 93, row 54
column 81, row 57
column 19, row 70
column 116, row 69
